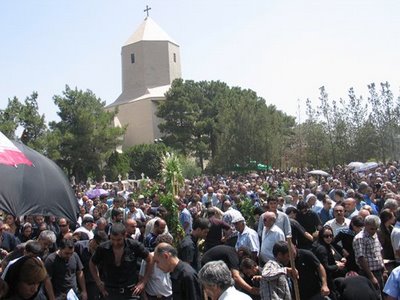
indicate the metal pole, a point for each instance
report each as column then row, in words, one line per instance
column 293, row 266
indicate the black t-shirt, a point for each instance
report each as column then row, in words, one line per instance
column 214, row 236
column 82, row 249
column 188, row 251
column 185, row 283
column 298, row 232
column 126, row 273
column 357, row 287
column 310, row 221
column 309, row 281
column 225, row 253
column 63, row 273
column 347, row 237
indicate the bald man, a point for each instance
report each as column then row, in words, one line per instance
column 270, row 236
column 350, row 208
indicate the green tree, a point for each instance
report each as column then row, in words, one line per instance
column 353, row 128
column 325, row 110
column 229, row 125
column 384, row 116
column 355, row 112
column 279, row 130
column 189, row 167
column 146, row 158
column 179, row 113
column 316, row 144
column 240, row 129
column 9, row 118
column 33, row 123
column 117, row 163
column 85, row 135
column 189, row 115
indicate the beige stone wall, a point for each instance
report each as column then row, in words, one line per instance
column 139, row 117
column 154, row 66
column 175, row 66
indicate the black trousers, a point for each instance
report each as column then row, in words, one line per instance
column 379, row 276
column 119, row 294
column 92, row 291
column 150, row 297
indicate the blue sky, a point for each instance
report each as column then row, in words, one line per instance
column 284, row 50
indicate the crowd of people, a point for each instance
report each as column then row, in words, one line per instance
column 305, row 237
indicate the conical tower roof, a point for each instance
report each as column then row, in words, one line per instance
column 149, row 31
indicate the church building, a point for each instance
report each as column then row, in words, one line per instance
column 150, row 61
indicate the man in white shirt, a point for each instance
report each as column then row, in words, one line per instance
column 210, row 198
column 218, row 283
column 313, row 203
column 271, row 235
column 247, row 238
column 87, row 226
column 282, row 220
column 339, row 222
column 159, row 285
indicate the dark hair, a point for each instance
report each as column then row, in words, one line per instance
column 357, row 221
column 140, row 224
column 339, row 203
column 201, row 223
column 34, row 247
column 272, row 198
column 340, row 193
column 247, row 263
column 258, row 211
column 161, row 212
column 244, row 252
column 321, row 196
column 100, row 237
column 302, row 205
column 115, row 213
column 66, row 243
column 117, row 229
column 210, row 212
column 119, row 199
column 385, row 215
column 321, row 233
column 291, row 209
column 164, row 238
column 359, row 196
column 280, row 247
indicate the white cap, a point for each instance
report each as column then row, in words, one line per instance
column 237, row 218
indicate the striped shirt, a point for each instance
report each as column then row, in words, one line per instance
column 370, row 248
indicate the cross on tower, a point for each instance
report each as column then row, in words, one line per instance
column 147, row 10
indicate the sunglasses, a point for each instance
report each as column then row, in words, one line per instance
column 63, row 225
column 326, row 236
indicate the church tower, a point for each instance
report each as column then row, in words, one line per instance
column 150, row 61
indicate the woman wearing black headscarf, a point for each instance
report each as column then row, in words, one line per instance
column 24, row 278
column 329, row 257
